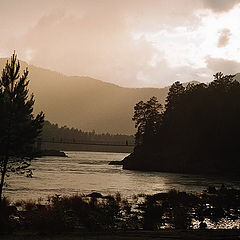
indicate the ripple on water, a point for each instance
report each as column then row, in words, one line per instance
column 89, row 171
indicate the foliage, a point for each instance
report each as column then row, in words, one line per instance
column 54, row 133
column 5, row 221
column 18, row 127
column 147, row 118
column 198, row 131
column 174, row 210
column 77, row 212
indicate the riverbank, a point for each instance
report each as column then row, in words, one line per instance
column 89, row 148
column 132, row 235
column 51, row 152
column 171, row 163
column 79, row 213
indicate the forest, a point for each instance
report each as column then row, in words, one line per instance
column 53, row 133
column 196, row 131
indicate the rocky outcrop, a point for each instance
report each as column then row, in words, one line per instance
column 116, row 163
column 55, row 153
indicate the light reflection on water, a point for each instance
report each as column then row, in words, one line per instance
column 85, row 172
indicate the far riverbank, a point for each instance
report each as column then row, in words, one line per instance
column 89, row 148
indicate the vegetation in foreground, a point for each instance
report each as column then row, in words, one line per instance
column 173, row 210
column 197, row 131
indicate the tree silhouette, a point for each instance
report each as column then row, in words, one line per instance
column 147, row 117
column 198, row 131
column 175, row 92
column 18, row 127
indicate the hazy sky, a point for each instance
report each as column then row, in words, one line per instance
column 133, row 43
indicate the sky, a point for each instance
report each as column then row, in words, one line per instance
column 132, row 43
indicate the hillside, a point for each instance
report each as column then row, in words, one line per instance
column 84, row 102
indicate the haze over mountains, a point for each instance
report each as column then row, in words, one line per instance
column 84, row 102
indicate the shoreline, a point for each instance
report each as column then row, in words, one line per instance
column 213, row 209
column 134, row 235
column 51, row 152
column 89, row 148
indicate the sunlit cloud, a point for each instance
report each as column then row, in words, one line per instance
column 185, row 47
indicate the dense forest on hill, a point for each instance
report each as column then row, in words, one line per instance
column 54, row 133
column 197, row 131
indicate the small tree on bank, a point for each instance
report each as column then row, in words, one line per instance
column 147, row 117
column 18, row 127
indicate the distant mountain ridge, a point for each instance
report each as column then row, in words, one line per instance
column 86, row 103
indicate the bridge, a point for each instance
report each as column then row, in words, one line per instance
column 126, row 144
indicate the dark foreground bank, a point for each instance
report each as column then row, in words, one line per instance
column 133, row 235
column 212, row 209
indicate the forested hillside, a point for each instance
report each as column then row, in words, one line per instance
column 54, row 133
column 197, row 131
column 64, row 138
column 85, row 103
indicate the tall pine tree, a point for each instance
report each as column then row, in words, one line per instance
column 18, row 127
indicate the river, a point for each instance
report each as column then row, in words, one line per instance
column 86, row 172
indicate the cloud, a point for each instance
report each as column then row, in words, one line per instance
column 220, row 5
column 163, row 75
column 98, row 38
column 223, row 65
column 96, row 45
column 100, row 46
column 224, row 37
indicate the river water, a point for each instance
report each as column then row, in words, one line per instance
column 85, row 172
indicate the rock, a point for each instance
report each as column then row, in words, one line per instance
column 95, row 195
column 128, row 162
column 116, row 163
column 202, row 225
column 49, row 152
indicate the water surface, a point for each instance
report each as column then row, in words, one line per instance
column 85, row 172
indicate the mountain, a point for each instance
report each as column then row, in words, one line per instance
column 84, row 102
column 87, row 103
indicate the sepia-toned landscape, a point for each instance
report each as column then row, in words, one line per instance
column 119, row 119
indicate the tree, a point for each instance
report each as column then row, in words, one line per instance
column 175, row 92
column 147, row 117
column 18, row 127
column 198, row 131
